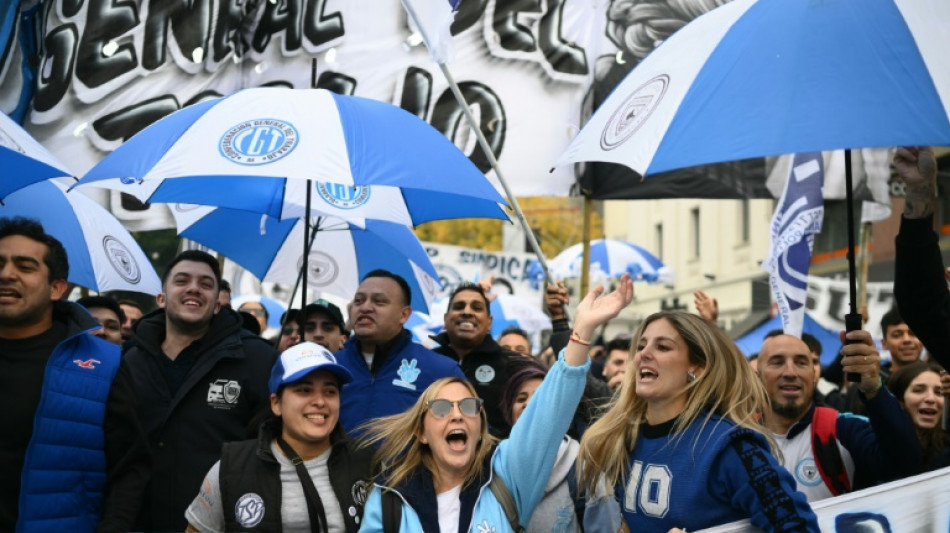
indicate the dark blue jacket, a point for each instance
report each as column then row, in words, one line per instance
column 64, row 470
column 401, row 370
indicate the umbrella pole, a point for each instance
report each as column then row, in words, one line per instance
column 473, row 124
column 852, row 321
column 306, row 251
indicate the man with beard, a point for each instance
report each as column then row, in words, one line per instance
column 830, row 453
column 467, row 339
column 201, row 379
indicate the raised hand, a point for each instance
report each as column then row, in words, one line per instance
column 917, row 166
column 595, row 310
column 706, row 306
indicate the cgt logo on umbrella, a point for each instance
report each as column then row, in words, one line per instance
column 121, row 259
column 633, row 112
column 259, row 141
column 343, row 196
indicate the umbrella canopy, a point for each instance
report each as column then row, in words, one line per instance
column 611, row 259
column 103, row 256
column 361, row 159
column 768, row 77
column 23, row 160
column 751, row 342
column 341, row 254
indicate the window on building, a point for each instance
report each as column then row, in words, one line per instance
column 658, row 239
column 745, row 221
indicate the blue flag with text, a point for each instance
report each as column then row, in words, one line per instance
column 796, row 220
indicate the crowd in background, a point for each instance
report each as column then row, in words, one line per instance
column 183, row 417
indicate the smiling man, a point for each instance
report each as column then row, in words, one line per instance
column 467, row 339
column 389, row 370
column 63, row 390
column 201, row 379
column 854, row 452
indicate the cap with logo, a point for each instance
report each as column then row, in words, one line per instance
column 326, row 308
column 302, row 359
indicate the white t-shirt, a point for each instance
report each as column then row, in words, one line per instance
column 449, row 506
column 207, row 515
column 368, row 357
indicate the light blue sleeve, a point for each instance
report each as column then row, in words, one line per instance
column 524, row 461
column 373, row 513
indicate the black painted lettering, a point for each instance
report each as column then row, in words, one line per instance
column 320, row 28
column 54, row 74
column 106, row 20
column 448, row 118
column 190, row 25
column 416, row 92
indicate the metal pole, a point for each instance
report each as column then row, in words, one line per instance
column 473, row 124
column 585, row 256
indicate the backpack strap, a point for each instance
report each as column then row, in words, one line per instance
column 498, row 488
column 392, row 511
column 824, row 448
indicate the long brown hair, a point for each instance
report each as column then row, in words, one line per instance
column 727, row 387
column 401, row 451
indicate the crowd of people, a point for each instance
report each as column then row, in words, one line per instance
column 184, row 418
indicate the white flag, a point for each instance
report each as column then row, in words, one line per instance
column 433, row 19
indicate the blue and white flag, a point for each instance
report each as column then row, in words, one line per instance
column 433, row 19
column 797, row 219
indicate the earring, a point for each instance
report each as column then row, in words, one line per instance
column 690, row 377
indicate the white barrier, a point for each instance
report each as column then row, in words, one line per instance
column 919, row 504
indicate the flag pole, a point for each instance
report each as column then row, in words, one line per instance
column 585, row 255
column 483, row 143
column 864, row 257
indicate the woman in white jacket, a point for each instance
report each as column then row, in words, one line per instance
column 438, row 459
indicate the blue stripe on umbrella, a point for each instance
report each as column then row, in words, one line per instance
column 912, row 111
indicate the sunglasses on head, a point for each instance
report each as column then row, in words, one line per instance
column 468, row 406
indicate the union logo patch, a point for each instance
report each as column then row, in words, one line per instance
column 343, row 196
column 259, row 141
column 121, row 259
column 633, row 112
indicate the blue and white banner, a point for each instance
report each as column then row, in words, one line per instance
column 915, row 504
column 797, row 219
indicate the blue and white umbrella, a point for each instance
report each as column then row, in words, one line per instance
column 611, row 259
column 260, row 149
column 102, row 255
column 341, row 254
column 769, row 77
column 23, row 159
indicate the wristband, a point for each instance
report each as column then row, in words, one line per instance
column 577, row 339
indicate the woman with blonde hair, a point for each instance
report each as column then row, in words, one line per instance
column 442, row 471
column 682, row 442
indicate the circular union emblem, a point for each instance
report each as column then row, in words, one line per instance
column 121, row 259
column 343, row 196
column 249, row 510
column 484, row 374
column 258, row 141
column 358, row 492
column 633, row 112
column 322, row 269
column 806, row 472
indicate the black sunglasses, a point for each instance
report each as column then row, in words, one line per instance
column 468, row 406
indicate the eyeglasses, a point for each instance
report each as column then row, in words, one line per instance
column 468, row 406
column 290, row 330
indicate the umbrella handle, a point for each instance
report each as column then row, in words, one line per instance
column 852, row 322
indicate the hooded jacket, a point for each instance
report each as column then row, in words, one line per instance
column 524, row 462
column 221, row 393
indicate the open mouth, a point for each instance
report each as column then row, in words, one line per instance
column 457, row 439
column 647, row 374
column 465, row 325
column 9, row 293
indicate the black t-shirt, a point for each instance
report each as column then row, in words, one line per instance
column 22, row 368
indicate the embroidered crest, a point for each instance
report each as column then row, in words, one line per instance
column 408, row 374
column 249, row 510
column 89, row 364
column 224, row 393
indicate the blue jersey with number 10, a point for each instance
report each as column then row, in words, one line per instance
column 709, row 475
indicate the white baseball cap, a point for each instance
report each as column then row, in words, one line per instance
column 302, row 359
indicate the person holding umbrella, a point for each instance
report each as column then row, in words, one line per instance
column 686, row 422
column 301, row 469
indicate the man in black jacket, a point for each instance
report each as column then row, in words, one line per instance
column 467, row 339
column 201, row 380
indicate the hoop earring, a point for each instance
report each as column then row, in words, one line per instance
column 690, row 376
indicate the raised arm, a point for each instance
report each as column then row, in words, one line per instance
column 592, row 312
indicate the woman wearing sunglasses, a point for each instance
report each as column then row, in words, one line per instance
column 442, row 471
column 301, row 473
